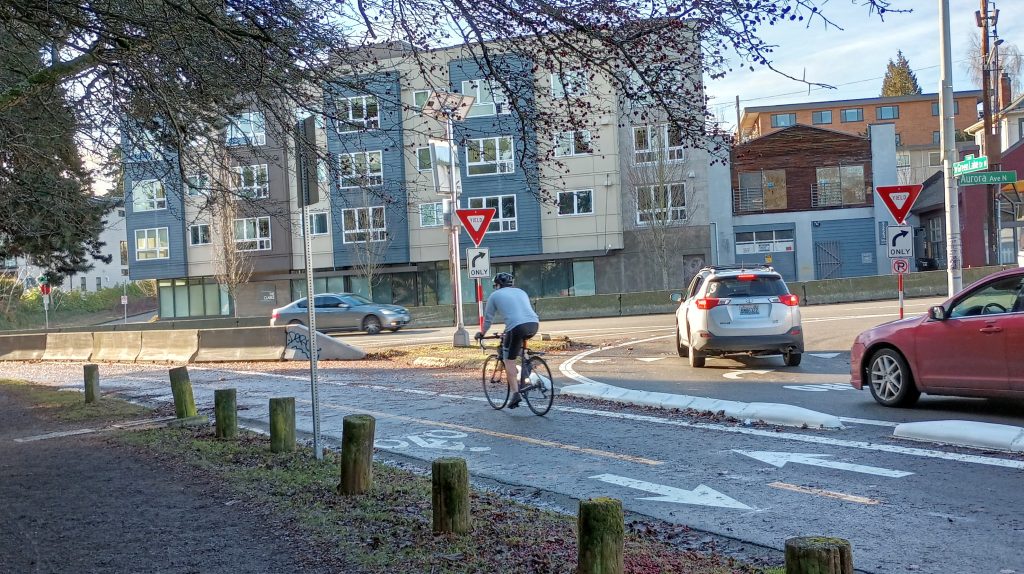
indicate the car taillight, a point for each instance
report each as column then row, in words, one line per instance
column 790, row 300
column 707, row 303
column 275, row 315
column 746, row 277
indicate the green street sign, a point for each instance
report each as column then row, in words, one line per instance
column 987, row 177
column 970, row 164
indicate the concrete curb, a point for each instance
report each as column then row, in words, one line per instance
column 964, row 433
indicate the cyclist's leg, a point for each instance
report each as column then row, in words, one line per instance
column 516, row 339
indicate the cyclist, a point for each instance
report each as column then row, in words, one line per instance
column 521, row 323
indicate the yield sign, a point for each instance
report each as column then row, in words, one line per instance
column 899, row 199
column 476, row 222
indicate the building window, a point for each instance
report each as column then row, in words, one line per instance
column 361, row 169
column 124, row 253
column 432, row 214
column 934, row 159
column 573, row 143
column 504, row 207
column 199, row 235
column 660, row 142
column 83, row 283
column 822, row 117
column 490, row 155
column 887, row 112
column 99, row 283
column 783, row 120
column 318, row 224
column 358, row 113
column 251, row 181
column 899, row 140
column 247, row 129
column 364, row 224
column 956, row 108
column 152, row 244
column 252, row 234
column 660, row 203
column 120, row 212
column 488, row 99
column 579, row 202
column 149, row 195
column 419, row 98
column 936, row 137
column 851, row 115
column 423, row 159
column 572, row 84
column 197, row 184
column 754, row 242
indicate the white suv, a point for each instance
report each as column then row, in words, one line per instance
column 734, row 309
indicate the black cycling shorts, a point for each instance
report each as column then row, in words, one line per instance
column 513, row 340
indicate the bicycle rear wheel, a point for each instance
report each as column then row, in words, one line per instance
column 542, row 396
column 495, row 386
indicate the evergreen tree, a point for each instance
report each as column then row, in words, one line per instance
column 899, row 78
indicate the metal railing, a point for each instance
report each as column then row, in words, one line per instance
column 831, row 195
column 748, row 200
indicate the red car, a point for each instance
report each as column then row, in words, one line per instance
column 972, row 345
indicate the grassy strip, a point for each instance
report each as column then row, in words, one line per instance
column 51, row 404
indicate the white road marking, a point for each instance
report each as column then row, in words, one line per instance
column 780, row 459
column 592, row 361
column 817, row 388
column 55, row 435
column 566, row 367
column 702, row 495
column 737, row 375
column 649, row 359
column 824, row 355
column 873, row 422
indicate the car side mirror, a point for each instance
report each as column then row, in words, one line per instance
column 938, row 313
column 676, row 297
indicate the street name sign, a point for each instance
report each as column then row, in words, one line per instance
column 475, row 221
column 970, row 164
column 478, row 262
column 899, row 199
column 987, row 177
column 899, row 241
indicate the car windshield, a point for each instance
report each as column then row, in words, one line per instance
column 359, row 300
column 758, row 286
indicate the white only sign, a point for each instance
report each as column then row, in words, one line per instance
column 478, row 261
column 899, row 241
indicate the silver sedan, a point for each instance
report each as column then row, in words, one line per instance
column 343, row 312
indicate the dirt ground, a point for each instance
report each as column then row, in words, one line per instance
column 77, row 504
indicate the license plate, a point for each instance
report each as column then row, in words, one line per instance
column 748, row 310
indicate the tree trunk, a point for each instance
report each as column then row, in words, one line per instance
column 282, row 424
column 818, row 555
column 225, row 409
column 181, row 388
column 357, row 454
column 92, row 383
column 450, row 496
column 601, row 531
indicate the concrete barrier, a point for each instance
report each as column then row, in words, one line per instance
column 242, row 344
column 122, row 346
column 22, row 347
column 327, row 348
column 571, row 307
column 178, row 346
column 68, row 347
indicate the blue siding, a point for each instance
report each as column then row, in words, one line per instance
column 388, row 139
column 523, row 183
column 173, row 218
column 856, row 237
column 783, row 262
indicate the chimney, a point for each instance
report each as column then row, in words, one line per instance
column 1004, row 91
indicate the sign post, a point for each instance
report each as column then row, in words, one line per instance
column 899, row 267
column 44, row 290
column 899, row 239
column 478, row 259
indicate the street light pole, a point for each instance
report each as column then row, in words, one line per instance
column 954, row 274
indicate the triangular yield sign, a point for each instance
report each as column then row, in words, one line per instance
column 476, row 221
column 899, row 199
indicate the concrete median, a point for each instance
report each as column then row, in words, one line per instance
column 173, row 345
column 22, row 347
column 328, row 348
column 241, row 344
column 114, row 346
column 68, row 346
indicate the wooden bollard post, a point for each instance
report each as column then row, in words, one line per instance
column 181, row 388
column 818, row 555
column 92, row 383
column 450, row 495
column 601, row 529
column 282, row 424
column 225, row 409
column 357, row 454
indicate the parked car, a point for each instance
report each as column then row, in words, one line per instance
column 343, row 312
column 969, row 346
column 738, row 309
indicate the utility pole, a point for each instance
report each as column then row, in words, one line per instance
column 954, row 273
column 990, row 147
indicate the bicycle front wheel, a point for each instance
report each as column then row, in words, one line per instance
column 495, row 386
column 542, row 394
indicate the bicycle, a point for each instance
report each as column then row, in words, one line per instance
column 535, row 382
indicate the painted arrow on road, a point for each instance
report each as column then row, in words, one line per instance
column 702, row 495
column 779, row 459
column 739, row 374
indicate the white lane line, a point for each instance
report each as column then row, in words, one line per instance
column 566, row 367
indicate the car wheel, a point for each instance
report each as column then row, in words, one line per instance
column 890, row 379
column 681, row 349
column 371, row 325
column 296, row 322
column 696, row 357
column 792, row 359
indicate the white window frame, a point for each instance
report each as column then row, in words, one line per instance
column 488, row 98
column 502, row 162
column 570, row 84
column 149, row 195
column 500, row 223
column 324, row 229
column 431, row 214
column 420, row 153
column 353, row 121
column 247, row 128
column 416, row 95
column 572, row 143
column 576, row 193
column 197, row 228
column 645, row 217
column 361, row 169
column 161, row 244
column 658, row 139
column 252, row 237
column 364, row 229
column 252, row 181
column 197, row 184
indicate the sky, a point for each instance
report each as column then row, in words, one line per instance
column 854, row 59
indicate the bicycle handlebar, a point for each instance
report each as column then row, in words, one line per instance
column 480, row 341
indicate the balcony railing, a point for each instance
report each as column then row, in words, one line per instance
column 748, row 200
column 832, row 195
